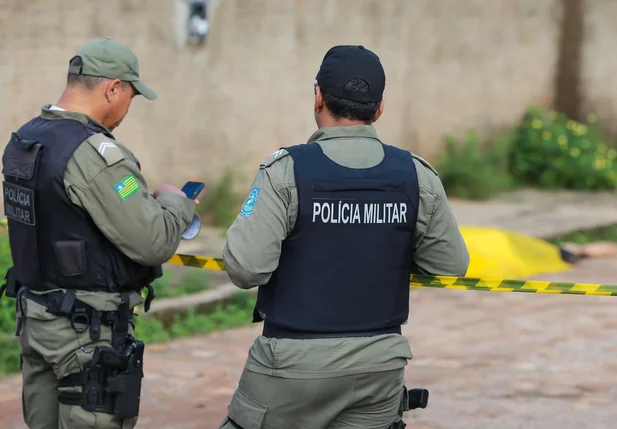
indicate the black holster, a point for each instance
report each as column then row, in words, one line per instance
column 111, row 384
column 412, row 399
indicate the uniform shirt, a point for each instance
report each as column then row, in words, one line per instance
column 145, row 229
column 254, row 243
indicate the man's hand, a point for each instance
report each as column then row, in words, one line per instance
column 170, row 188
column 167, row 188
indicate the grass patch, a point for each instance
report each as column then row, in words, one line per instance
column 181, row 282
column 9, row 346
column 238, row 312
column 584, row 236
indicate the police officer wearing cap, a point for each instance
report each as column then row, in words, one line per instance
column 330, row 233
column 86, row 238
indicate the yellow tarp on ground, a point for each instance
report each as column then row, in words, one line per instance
column 502, row 254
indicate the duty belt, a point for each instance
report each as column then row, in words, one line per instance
column 80, row 313
column 272, row 331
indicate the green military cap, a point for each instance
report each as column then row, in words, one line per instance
column 109, row 59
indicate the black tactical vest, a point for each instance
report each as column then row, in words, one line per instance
column 345, row 267
column 54, row 243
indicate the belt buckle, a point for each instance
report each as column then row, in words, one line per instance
column 79, row 315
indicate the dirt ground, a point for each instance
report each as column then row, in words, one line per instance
column 490, row 360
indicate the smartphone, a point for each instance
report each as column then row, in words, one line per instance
column 192, row 189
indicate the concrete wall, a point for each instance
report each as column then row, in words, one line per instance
column 599, row 62
column 451, row 65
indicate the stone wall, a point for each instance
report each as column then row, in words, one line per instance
column 599, row 62
column 451, row 66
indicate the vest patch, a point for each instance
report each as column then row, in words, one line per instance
column 107, row 149
column 19, row 203
column 127, row 187
column 249, row 204
column 361, row 213
column 279, row 154
column 104, row 146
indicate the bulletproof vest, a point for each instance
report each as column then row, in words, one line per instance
column 54, row 243
column 345, row 267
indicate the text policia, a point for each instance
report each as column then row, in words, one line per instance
column 364, row 212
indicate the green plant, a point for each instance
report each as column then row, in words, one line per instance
column 222, row 203
column 553, row 151
column 471, row 170
column 9, row 354
column 7, row 306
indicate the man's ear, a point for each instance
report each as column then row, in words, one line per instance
column 319, row 103
column 113, row 89
column 379, row 111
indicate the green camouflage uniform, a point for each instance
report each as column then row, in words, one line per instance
column 328, row 383
column 145, row 229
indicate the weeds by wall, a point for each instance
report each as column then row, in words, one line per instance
column 546, row 150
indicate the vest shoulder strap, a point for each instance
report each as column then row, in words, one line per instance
column 304, row 150
column 107, row 148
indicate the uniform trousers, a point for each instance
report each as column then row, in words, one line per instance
column 290, row 384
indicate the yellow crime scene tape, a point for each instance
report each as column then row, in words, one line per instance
column 442, row 282
column 447, row 282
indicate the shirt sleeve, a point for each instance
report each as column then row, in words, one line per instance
column 255, row 238
column 440, row 247
column 145, row 229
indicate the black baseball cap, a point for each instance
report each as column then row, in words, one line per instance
column 345, row 62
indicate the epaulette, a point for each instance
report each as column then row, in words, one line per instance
column 425, row 163
column 107, row 148
column 279, row 154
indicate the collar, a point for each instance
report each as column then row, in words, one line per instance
column 49, row 113
column 352, row 131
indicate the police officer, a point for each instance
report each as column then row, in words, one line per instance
column 330, row 232
column 86, row 238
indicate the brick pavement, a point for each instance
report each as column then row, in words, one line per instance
column 490, row 360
